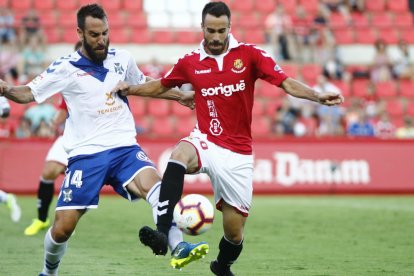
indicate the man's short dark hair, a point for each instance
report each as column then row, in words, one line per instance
column 217, row 9
column 93, row 10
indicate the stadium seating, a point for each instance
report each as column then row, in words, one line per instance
column 387, row 89
column 66, row 5
column 159, row 108
column 180, row 110
column 311, row 6
column 365, row 35
column 137, row 106
column 21, row 5
column 163, row 127
column 406, row 88
column 132, row 6
column 258, row 108
column 46, row 5
column 397, row 5
column 260, row 126
column 344, row 36
column 403, row 20
column 184, row 125
column 265, row 7
column 112, row 5
column 395, row 108
column 177, row 22
column 375, row 6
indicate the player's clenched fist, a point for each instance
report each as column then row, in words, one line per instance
column 122, row 88
column 330, row 98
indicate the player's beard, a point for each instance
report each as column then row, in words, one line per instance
column 95, row 56
column 218, row 50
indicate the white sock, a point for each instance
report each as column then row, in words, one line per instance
column 53, row 254
column 175, row 236
column 3, row 196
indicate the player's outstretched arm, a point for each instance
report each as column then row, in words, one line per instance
column 19, row 94
column 300, row 90
column 151, row 88
column 155, row 89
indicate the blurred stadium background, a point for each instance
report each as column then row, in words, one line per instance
column 362, row 48
column 365, row 146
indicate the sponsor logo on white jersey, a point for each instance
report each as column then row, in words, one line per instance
column 226, row 90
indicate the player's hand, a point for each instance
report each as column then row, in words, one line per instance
column 3, row 87
column 187, row 99
column 329, row 98
column 121, row 88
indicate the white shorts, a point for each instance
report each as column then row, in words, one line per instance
column 231, row 173
column 57, row 153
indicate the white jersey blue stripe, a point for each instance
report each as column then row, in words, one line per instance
column 98, row 120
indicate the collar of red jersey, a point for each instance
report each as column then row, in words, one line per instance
column 233, row 43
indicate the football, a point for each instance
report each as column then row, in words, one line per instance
column 194, row 214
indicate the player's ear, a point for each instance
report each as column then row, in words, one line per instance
column 80, row 33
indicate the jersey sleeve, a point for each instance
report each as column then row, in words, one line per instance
column 176, row 76
column 52, row 81
column 266, row 67
column 133, row 74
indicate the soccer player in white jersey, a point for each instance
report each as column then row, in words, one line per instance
column 222, row 72
column 9, row 199
column 55, row 164
column 99, row 135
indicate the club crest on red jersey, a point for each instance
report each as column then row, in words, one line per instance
column 238, row 66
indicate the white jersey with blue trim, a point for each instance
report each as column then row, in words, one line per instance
column 98, row 120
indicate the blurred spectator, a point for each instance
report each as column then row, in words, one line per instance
column 285, row 118
column 330, row 117
column 407, row 130
column 326, row 46
column 278, row 32
column 40, row 112
column 6, row 129
column 153, row 69
column 321, row 17
column 31, row 26
column 362, row 127
column 356, row 5
column 337, row 6
column 371, row 102
column 333, row 67
column 304, row 39
column 33, row 60
column 380, row 69
column 403, row 68
column 44, row 130
column 411, row 6
column 9, row 59
column 24, row 129
column 384, row 128
column 7, row 25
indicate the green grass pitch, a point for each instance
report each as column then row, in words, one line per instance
column 285, row 235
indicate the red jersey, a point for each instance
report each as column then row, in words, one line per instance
column 62, row 105
column 224, row 90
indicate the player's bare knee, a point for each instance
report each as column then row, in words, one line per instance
column 235, row 238
column 61, row 234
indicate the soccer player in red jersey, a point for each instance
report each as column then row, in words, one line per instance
column 222, row 72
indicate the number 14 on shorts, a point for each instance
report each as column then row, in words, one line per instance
column 75, row 179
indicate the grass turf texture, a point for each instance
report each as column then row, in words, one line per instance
column 361, row 235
